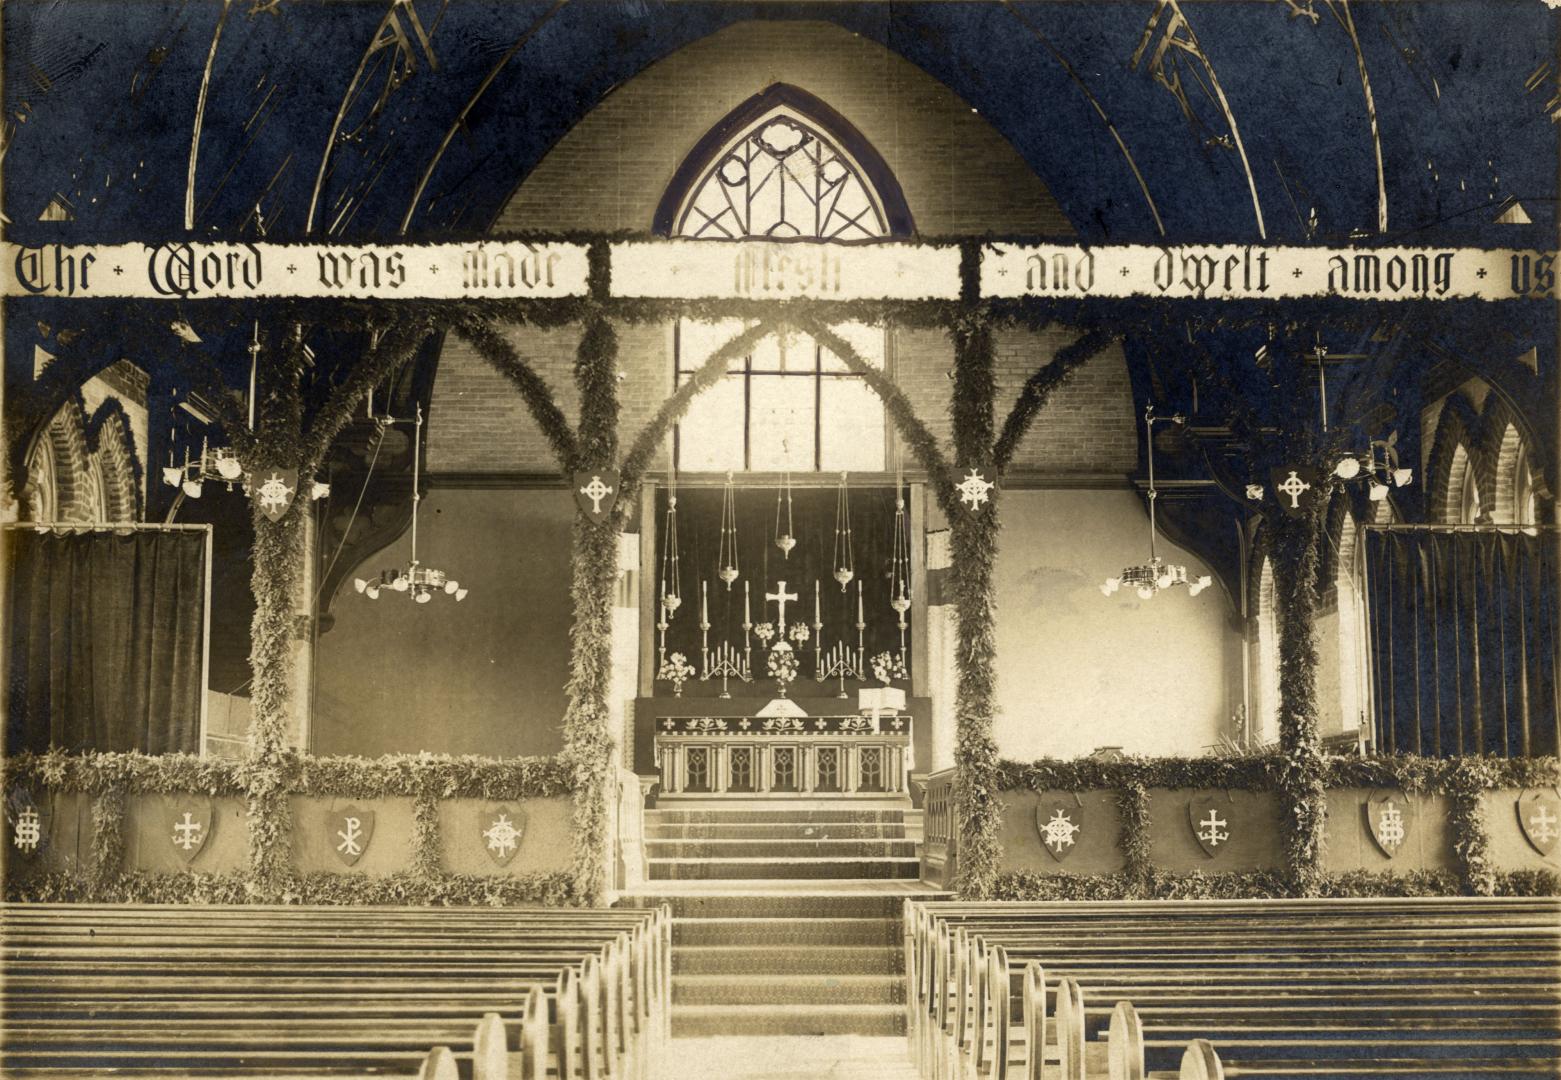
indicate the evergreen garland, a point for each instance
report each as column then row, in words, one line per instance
column 1133, row 835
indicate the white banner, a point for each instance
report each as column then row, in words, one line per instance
column 1253, row 272
column 760, row 270
column 194, row 271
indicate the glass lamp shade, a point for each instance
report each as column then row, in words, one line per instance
column 359, row 584
column 192, row 489
column 1110, row 586
column 229, row 468
column 460, row 594
column 1255, row 492
column 1403, row 477
column 423, row 596
column 1165, row 580
column 173, row 476
column 372, row 592
column 1145, row 592
column 1377, row 491
column 400, row 584
column 319, row 490
column 451, row 586
column 1347, row 469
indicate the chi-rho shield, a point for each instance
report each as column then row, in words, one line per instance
column 596, row 493
column 189, row 827
column 29, row 823
column 1539, row 816
column 502, row 831
column 273, row 491
column 1061, row 825
column 349, row 831
column 1212, row 823
column 1387, row 820
column 1296, row 487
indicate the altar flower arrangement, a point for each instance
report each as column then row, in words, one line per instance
column 888, row 666
column 676, row 669
column 799, row 633
column 764, row 632
column 782, row 665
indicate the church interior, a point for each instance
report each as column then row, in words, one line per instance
column 572, row 539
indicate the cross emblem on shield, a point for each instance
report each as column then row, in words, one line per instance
column 596, row 493
column 190, row 828
column 1212, row 823
column 1539, row 816
column 1296, row 487
column 272, row 491
column 349, row 832
column 1059, row 822
column 1388, row 820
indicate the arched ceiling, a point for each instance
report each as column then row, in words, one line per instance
column 101, row 99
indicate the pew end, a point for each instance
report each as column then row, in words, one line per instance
column 439, row 1064
column 1200, row 1061
column 490, row 1051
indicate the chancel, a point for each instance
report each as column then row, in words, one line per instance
column 963, row 541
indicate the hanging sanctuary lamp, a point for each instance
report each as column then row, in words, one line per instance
column 845, row 556
column 670, row 589
column 900, row 560
column 1149, row 578
column 785, row 539
column 726, row 562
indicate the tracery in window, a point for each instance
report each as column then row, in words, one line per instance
column 782, row 178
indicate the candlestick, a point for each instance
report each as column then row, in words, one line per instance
column 859, row 618
column 816, row 619
column 745, row 603
column 704, row 603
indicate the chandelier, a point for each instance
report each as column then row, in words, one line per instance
column 218, row 465
column 415, row 579
column 1151, row 577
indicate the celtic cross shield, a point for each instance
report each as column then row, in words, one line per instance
column 1387, row 820
column 1060, row 823
column 1297, row 487
column 272, row 491
column 189, row 827
column 596, row 493
column 349, row 831
column 1212, row 823
column 1539, row 816
column 502, row 831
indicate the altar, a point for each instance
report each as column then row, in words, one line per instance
column 784, row 756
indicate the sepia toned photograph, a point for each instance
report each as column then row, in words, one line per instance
column 774, row 540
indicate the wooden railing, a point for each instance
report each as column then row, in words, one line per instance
column 937, row 850
column 812, row 756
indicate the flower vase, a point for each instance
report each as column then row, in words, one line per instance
column 677, row 689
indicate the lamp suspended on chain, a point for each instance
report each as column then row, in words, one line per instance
column 671, row 585
column 785, row 538
column 727, row 568
column 900, row 559
column 845, row 555
column 1147, row 579
column 422, row 582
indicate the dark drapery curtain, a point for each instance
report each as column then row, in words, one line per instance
column 1463, row 629
column 763, row 566
column 105, row 640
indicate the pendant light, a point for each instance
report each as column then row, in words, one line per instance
column 727, row 566
column 785, row 538
column 845, row 557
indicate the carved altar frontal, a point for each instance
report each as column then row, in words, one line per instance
column 783, row 756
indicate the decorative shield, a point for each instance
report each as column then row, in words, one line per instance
column 1212, row 822
column 273, row 491
column 350, row 831
column 29, row 823
column 502, row 831
column 1059, row 821
column 189, row 826
column 974, row 488
column 1387, row 820
column 596, row 493
column 1539, row 816
column 1296, row 487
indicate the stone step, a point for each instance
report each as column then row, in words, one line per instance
column 780, row 869
column 695, row 1022
column 772, row 817
column 786, row 959
column 794, row 848
column 799, row 906
column 805, row 830
column 782, row 1057
column 788, row 990
column 801, row 931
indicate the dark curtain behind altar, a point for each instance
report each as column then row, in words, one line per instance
column 1463, row 636
column 809, row 567
column 106, row 640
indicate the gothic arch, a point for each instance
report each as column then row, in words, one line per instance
column 784, row 100
column 1452, row 453
column 115, row 456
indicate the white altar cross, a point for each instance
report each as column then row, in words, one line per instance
column 781, row 596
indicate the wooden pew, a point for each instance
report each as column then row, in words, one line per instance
column 959, row 982
column 589, row 989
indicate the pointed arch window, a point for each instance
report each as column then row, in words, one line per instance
column 782, row 166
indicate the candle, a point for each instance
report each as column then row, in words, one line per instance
column 746, row 619
column 816, row 620
column 704, row 602
column 859, row 602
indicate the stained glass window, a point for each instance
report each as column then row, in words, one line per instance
column 782, row 179
column 790, row 406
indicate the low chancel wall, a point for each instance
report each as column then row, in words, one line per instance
column 421, row 829
column 1210, row 827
